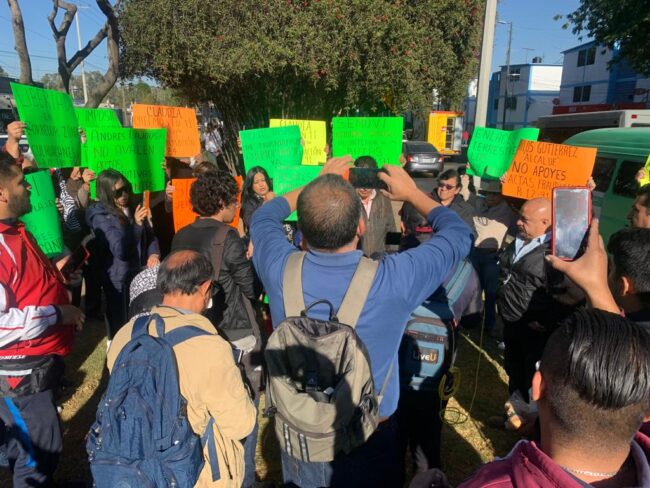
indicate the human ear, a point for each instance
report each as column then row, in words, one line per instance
column 538, row 387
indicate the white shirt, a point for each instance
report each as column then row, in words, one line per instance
column 522, row 247
column 368, row 203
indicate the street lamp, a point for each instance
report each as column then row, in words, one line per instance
column 505, row 99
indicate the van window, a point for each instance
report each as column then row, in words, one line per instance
column 625, row 184
column 603, row 171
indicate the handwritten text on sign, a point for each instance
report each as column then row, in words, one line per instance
column 269, row 148
column 43, row 220
column 51, row 123
column 313, row 133
column 181, row 125
column 491, row 151
column 538, row 167
column 379, row 137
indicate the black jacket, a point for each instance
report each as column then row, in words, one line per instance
column 531, row 291
column 236, row 279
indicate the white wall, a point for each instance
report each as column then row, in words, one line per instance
column 545, row 78
column 596, row 75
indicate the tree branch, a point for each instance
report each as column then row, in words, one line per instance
column 21, row 43
column 112, row 44
column 84, row 52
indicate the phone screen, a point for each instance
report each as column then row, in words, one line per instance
column 571, row 219
column 77, row 259
column 366, row 178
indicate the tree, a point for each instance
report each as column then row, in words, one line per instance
column 21, row 43
column 109, row 32
column 616, row 23
column 304, row 58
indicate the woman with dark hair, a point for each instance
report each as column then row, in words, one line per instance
column 125, row 242
column 257, row 189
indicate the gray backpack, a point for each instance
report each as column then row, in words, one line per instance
column 320, row 387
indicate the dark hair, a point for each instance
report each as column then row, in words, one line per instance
column 212, row 192
column 247, row 189
column 596, row 366
column 8, row 167
column 449, row 175
column 183, row 272
column 630, row 250
column 366, row 162
column 106, row 181
column 644, row 194
column 328, row 212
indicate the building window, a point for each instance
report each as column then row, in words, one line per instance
column 511, row 103
column 582, row 93
column 496, row 104
column 587, row 57
column 515, row 73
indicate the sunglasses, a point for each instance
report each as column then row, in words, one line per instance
column 121, row 191
column 447, row 187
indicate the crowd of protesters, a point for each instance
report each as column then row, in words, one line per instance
column 576, row 335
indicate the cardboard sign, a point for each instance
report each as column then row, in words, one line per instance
column 538, row 167
column 96, row 117
column 43, row 221
column 288, row 178
column 136, row 153
column 182, row 127
column 182, row 208
column 491, row 151
column 313, row 133
column 52, row 127
column 270, row 148
column 379, row 137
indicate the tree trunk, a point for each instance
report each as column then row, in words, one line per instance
column 21, row 43
column 112, row 39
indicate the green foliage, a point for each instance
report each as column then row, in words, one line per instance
column 304, row 58
column 622, row 23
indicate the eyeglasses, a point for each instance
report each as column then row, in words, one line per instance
column 121, row 191
column 446, row 186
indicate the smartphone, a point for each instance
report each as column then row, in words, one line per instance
column 76, row 261
column 571, row 221
column 366, row 178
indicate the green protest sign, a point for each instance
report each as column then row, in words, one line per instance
column 491, row 151
column 51, row 125
column 96, row 117
column 270, row 148
column 43, row 220
column 136, row 153
column 379, row 137
column 289, row 178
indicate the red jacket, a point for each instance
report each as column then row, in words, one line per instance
column 29, row 289
column 527, row 466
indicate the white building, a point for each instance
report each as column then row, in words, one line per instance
column 589, row 84
column 528, row 94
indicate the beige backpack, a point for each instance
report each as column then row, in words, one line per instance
column 320, row 387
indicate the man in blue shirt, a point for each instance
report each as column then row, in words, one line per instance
column 331, row 219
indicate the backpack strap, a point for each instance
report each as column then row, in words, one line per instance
column 208, row 438
column 294, row 301
column 217, row 247
column 380, row 397
column 141, row 325
column 358, row 290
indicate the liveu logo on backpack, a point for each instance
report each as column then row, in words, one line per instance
column 142, row 436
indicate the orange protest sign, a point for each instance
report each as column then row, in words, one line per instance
column 182, row 128
column 182, row 208
column 538, row 167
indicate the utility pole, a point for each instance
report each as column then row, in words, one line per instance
column 507, row 80
column 485, row 63
column 83, row 72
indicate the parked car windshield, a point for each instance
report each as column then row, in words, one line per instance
column 420, row 147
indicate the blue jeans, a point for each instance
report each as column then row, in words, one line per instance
column 374, row 464
column 250, row 445
column 487, row 268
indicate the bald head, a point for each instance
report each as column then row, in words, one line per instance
column 534, row 219
column 183, row 272
column 328, row 213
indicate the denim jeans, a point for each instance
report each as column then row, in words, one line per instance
column 250, row 445
column 487, row 268
column 374, row 464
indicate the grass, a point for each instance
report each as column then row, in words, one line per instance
column 466, row 445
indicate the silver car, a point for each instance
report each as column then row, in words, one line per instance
column 422, row 157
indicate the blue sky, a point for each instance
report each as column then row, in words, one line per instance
column 533, row 28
